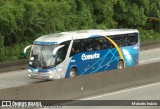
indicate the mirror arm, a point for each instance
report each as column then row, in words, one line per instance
column 56, row 49
column 25, row 50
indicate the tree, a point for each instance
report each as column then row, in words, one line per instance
column 129, row 15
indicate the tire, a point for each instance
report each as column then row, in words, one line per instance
column 120, row 64
column 72, row 72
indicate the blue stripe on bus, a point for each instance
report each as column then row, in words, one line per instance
column 44, row 43
column 107, row 60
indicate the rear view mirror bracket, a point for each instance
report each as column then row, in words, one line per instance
column 56, row 49
column 25, row 50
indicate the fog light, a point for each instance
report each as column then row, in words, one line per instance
column 51, row 76
column 29, row 75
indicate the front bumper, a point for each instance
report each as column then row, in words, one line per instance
column 38, row 75
column 45, row 75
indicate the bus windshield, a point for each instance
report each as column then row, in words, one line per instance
column 41, row 56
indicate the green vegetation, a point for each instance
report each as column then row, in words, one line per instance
column 22, row 21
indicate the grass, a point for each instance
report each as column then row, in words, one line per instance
column 12, row 53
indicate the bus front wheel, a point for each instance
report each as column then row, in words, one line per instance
column 72, row 72
column 120, row 64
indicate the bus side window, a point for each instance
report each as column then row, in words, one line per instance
column 60, row 55
column 109, row 44
column 76, row 47
column 88, row 45
column 133, row 39
column 126, row 41
column 97, row 44
column 66, row 44
column 121, row 40
column 62, row 52
column 102, row 43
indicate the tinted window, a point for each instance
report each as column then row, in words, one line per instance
column 76, row 47
column 125, row 39
column 133, row 38
column 62, row 52
column 88, row 45
column 60, row 55
column 66, row 45
column 102, row 43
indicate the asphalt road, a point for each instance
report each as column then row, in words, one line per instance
column 144, row 92
column 20, row 77
column 149, row 56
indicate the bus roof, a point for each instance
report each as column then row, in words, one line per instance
column 81, row 34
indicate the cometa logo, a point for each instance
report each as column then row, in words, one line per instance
column 92, row 56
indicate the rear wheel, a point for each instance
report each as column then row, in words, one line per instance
column 72, row 72
column 120, row 64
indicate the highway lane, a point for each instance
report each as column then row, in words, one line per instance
column 144, row 92
column 16, row 78
column 20, row 77
column 149, row 56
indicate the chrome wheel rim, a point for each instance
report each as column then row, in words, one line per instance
column 72, row 74
column 120, row 65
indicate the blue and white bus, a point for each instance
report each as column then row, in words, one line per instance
column 68, row 54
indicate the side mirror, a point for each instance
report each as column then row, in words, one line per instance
column 25, row 50
column 56, row 49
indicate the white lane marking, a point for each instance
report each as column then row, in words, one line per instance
column 1, row 85
column 122, row 91
column 149, row 60
column 108, row 94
